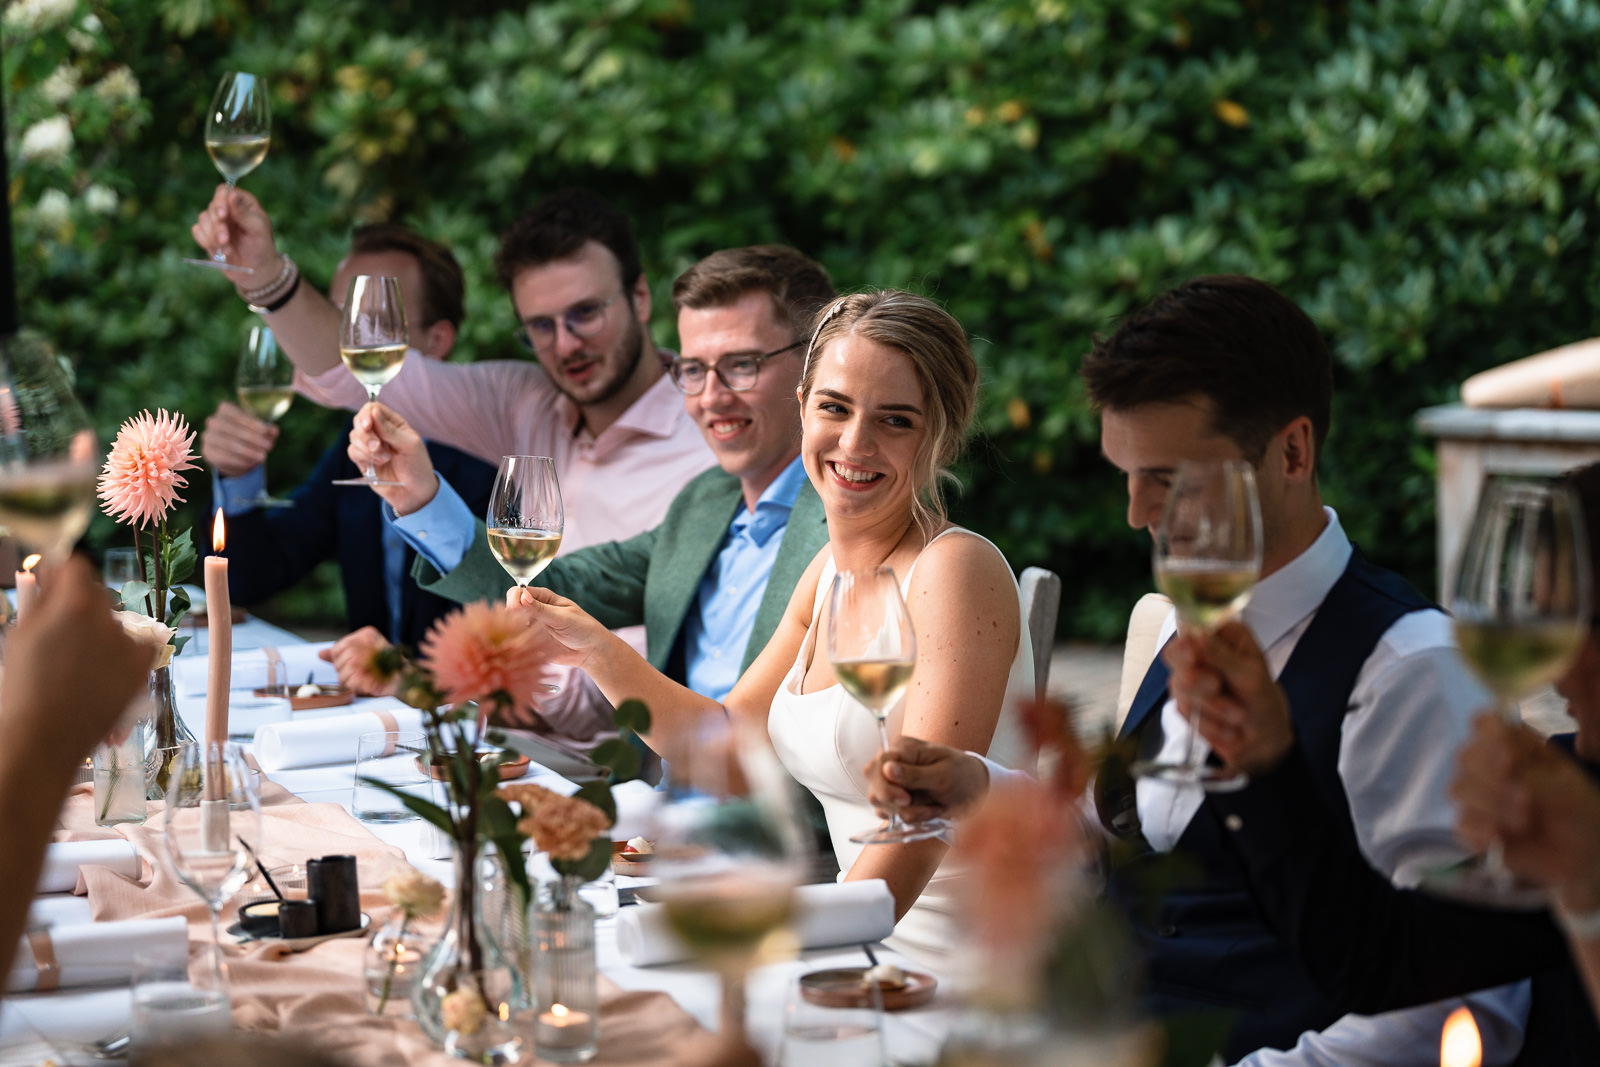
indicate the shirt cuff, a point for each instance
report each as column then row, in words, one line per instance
column 239, row 495
column 441, row 530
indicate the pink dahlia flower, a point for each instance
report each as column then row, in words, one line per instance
column 482, row 652
column 140, row 481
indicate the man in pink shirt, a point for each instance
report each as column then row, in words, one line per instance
column 595, row 398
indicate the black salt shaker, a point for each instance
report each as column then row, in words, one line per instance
column 331, row 884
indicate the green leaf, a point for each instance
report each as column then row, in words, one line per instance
column 599, row 794
column 619, row 755
column 591, row 866
column 425, row 809
column 177, row 606
column 177, row 559
column 134, row 597
column 632, row 714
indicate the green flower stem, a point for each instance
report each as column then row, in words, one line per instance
column 394, row 961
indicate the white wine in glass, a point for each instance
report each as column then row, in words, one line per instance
column 265, row 384
column 372, row 342
column 526, row 517
column 1206, row 559
column 48, row 455
column 873, row 650
column 238, row 134
column 1521, row 607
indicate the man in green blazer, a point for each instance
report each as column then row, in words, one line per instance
column 711, row 582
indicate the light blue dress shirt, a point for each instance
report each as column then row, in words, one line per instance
column 718, row 627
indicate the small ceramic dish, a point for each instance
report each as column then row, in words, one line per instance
column 327, row 696
column 300, row 944
column 515, row 767
column 842, row 987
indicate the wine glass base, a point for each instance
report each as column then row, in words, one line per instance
column 1475, row 881
column 363, row 481
column 1211, row 779
column 904, row 834
column 220, row 264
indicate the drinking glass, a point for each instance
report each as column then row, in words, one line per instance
column 730, row 847
column 372, row 343
column 48, row 456
column 873, row 649
column 525, row 516
column 1207, row 558
column 213, row 809
column 265, row 383
column 168, row 1007
column 818, row 1036
column 398, row 758
column 1521, row 607
column 122, row 565
column 238, row 133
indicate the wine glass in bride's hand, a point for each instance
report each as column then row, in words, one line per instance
column 372, row 342
column 265, row 383
column 873, row 650
column 1521, row 607
column 1207, row 558
column 525, row 516
column 48, row 455
column 238, row 133
column 730, row 847
column 213, row 812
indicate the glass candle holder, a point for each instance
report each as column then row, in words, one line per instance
column 565, row 975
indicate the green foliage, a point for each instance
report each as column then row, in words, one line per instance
column 1416, row 173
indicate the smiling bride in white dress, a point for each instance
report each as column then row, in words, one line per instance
column 888, row 392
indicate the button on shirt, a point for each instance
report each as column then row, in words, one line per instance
column 718, row 627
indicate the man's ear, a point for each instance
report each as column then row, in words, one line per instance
column 437, row 339
column 1299, row 451
column 640, row 299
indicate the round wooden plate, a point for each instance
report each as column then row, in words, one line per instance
column 515, row 767
column 840, row 987
column 327, row 696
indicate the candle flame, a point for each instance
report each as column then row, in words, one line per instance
column 31, row 562
column 1459, row 1046
column 218, row 540
column 558, row 1010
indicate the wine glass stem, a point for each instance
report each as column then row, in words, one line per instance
column 733, row 1005
column 219, row 969
column 893, row 822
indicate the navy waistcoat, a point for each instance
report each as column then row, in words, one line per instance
column 1206, row 948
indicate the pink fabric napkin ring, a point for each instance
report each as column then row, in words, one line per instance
column 391, row 730
column 47, row 972
column 274, row 665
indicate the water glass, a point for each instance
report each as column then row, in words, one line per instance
column 815, row 1036
column 171, row 1008
column 601, row 895
column 399, row 759
column 121, row 567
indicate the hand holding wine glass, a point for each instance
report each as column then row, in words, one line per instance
column 372, row 342
column 265, row 384
column 238, row 134
column 525, row 516
column 873, row 649
column 1207, row 558
column 213, row 810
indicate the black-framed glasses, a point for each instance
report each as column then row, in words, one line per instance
column 736, row 372
column 583, row 319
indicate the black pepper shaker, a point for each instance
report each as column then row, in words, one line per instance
column 331, row 885
column 297, row 918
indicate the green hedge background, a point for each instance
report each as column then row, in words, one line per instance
column 1417, row 173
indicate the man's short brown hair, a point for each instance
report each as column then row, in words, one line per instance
column 798, row 285
column 443, row 287
column 1235, row 341
column 558, row 227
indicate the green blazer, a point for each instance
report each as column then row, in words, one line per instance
column 653, row 578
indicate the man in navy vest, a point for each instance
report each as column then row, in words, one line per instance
column 1224, row 368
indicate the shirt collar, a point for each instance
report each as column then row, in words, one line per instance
column 1284, row 598
column 773, row 506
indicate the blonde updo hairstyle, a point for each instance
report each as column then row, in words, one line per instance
column 942, row 360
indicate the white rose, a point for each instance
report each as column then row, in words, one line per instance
column 100, row 200
column 151, row 632
column 48, row 139
column 53, row 209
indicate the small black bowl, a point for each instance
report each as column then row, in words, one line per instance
column 260, row 918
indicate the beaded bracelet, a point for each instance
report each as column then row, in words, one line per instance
column 286, row 267
column 288, row 295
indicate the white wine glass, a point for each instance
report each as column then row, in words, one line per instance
column 1207, row 558
column 525, row 516
column 730, row 848
column 48, row 454
column 238, row 134
column 213, row 820
column 265, row 385
column 873, row 649
column 372, row 342
column 1521, row 604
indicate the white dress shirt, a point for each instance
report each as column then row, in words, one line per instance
column 1408, row 714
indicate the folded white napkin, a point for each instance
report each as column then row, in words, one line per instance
column 99, row 953
column 315, row 742
column 63, row 858
column 831, row 913
column 255, row 667
column 636, row 802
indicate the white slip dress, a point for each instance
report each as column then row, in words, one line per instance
column 824, row 738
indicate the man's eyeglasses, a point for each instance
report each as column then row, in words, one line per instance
column 737, row 372
column 581, row 320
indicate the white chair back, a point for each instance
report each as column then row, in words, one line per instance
column 1041, row 602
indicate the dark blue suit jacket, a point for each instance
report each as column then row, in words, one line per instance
column 270, row 549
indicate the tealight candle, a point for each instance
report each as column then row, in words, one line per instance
column 563, row 1027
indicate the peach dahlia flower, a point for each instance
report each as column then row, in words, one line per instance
column 140, row 481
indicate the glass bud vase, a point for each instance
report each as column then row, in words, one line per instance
column 394, row 961
column 119, row 785
column 566, row 987
column 166, row 735
column 469, row 1000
